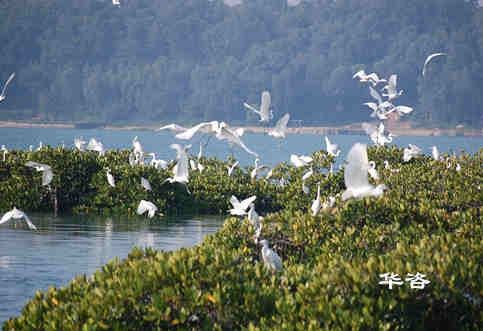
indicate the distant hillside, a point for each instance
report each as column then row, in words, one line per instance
column 190, row 60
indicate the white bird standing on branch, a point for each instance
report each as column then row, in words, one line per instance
column 410, row 152
column 231, row 168
column 146, row 206
column 331, row 148
column 79, row 144
column 47, row 174
column 271, row 259
column 355, row 175
column 316, row 204
column 5, row 151
column 95, row 146
column 428, row 59
column 240, row 207
column 300, row 160
column 17, row 214
column 110, row 178
column 373, row 171
column 265, row 112
column 3, row 94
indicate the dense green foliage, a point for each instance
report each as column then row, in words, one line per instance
column 428, row 221
column 197, row 59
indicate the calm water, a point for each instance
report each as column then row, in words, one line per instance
column 270, row 150
column 68, row 246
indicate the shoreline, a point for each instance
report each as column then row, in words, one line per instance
column 399, row 129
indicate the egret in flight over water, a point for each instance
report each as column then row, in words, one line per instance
column 240, row 207
column 4, row 90
column 17, row 214
column 428, row 59
column 47, row 174
column 147, row 206
column 264, row 112
column 280, row 128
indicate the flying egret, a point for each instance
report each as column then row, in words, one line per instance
column 116, row 3
column 5, row 151
column 173, row 127
column 240, row 207
column 147, row 206
column 435, row 153
column 180, row 169
column 47, row 174
column 428, row 59
column 376, row 133
column 17, row 214
column 231, row 168
column 280, row 127
column 374, row 79
column 391, row 88
column 410, row 152
column 331, row 148
column 355, row 175
column 271, row 259
column 372, row 170
column 300, row 160
column 110, row 177
column 95, row 146
column 79, row 144
column 361, row 74
column 3, row 95
column 145, row 183
column 265, row 112
column 316, row 204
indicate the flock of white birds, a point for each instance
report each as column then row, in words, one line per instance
column 357, row 167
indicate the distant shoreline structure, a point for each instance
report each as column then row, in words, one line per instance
column 351, row 129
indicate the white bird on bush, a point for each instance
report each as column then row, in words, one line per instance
column 258, row 232
column 355, row 175
column 331, row 148
column 240, row 208
column 17, row 214
column 410, row 152
column 231, row 168
column 372, row 170
column 428, row 59
column 271, row 259
column 147, row 206
column 95, row 146
column 265, row 113
column 145, row 183
column 305, row 188
column 280, row 127
column 5, row 151
column 158, row 164
column 47, row 174
column 308, row 174
column 180, row 169
column 328, row 204
column 256, row 169
column 3, row 94
column 110, row 178
column 316, row 204
column 79, row 144
column 435, row 153
column 388, row 167
column 300, row 160
column 391, row 88
column 253, row 217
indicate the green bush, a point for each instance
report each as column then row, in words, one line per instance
column 428, row 221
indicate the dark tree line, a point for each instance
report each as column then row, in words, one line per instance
column 190, row 60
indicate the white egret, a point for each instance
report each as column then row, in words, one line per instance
column 95, row 146
column 40, row 146
column 372, row 170
column 376, row 133
column 355, row 175
column 240, row 207
column 331, row 148
column 256, row 169
column 158, row 164
column 231, row 168
column 47, row 174
column 17, row 214
column 271, row 259
column 172, row 127
column 391, row 88
column 300, row 160
column 374, row 79
column 180, row 170
column 307, row 175
column 269, row 174
column 116, row 3
column 258, row 232
column 79, row 144
column 280, row 127
column 458, row 167
column 110, row 178
column 328, row 204
column 388, row 167
column 3, row 94
column 435, row 153
column 305, row 188
column 5, row 151
column 192, row 164
column 410, row 152
column 316, row 204
column 145, row 183
column 265, row 113
column 253, row 217
column 147, row 206
column 361, row 74
column 428, row 59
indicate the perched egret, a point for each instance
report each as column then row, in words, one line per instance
column 373, row 171
column 110, row 178
column 145, row 183
column 305, row 188
column 256, row 169
column 355, row 175
column 231, row 168
column 253, row 217
column 316, row 204
column 5, row 151
column 147, row 206
column 271, row 259
column 331, row 148
column 265, row 113
column 3, row 94
column 428, row 59
column 158, row 164
column 435, row 153
column 180, row 170
column 95, row 146
column 388, row 167
column 17, row 214
column 47, row 174
column 280, row 128
column 239, row 208
column 79, row 144
column 300, row 160
column 307, row 175
column 258, row 232
column 391, row 88
column 410, row 152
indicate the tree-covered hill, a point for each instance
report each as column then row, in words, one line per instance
column 163, row 60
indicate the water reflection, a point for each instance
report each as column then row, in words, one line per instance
column 68, row 246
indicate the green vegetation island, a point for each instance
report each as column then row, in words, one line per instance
column 351, row 266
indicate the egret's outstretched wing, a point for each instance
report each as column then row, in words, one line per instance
column 188, row 134
column 146, row 206
column 356, row 169
column 38, row 166
column 375, row 95
column 6, row 217
column 29, row 222
column 244, row 204
column 12, row 75
column 403, row 109
column 428, row 59
column 360, row 74
column 281, row 125
column 225, row 133
column 250, row 107
column 172, row 127
column 265, row 106
column 234, row 201
column 391, row 84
